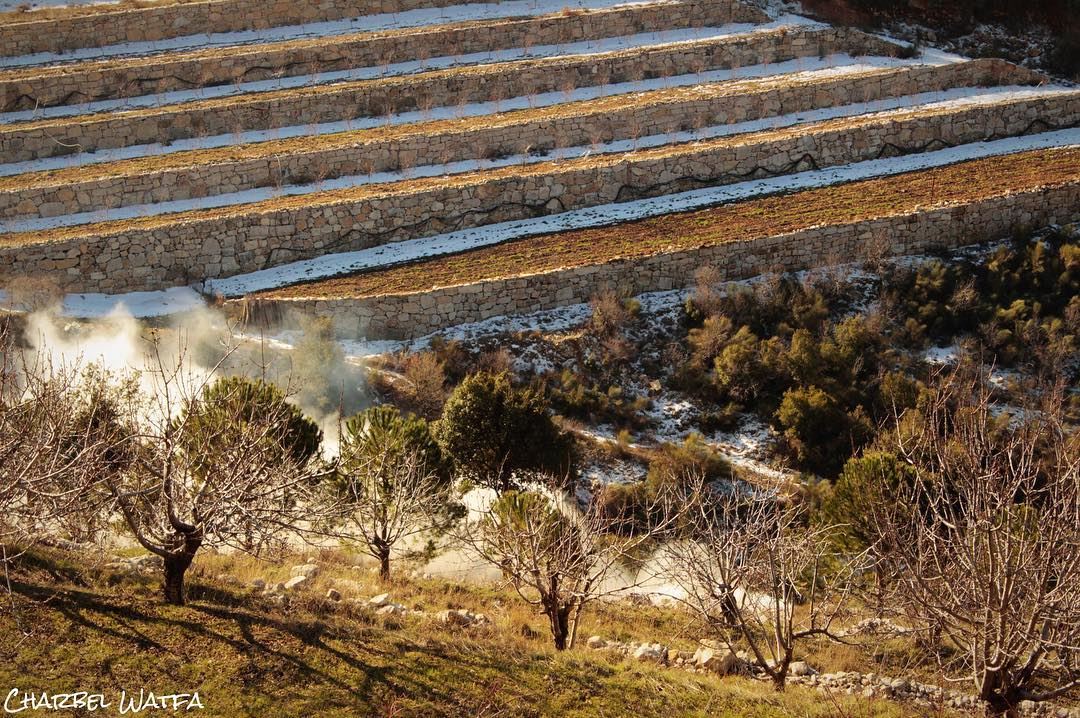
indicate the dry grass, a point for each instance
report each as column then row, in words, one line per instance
column 771, row 216
column 103, row 631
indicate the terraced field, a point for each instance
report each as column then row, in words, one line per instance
column 412, row 164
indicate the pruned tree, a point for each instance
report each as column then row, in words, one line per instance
column 986, row 541
column 494, row 432
column 559, row 557
column 237, row 467
column 754, row 573
column 50, row 456
column 392, row 484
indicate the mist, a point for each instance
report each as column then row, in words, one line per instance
column 193, row 349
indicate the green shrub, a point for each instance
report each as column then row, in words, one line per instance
column 819, row 434
column 495, row 432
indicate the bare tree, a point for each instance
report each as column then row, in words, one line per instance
column 236, row 467
column 559, row 557
column 49, row 455
column 985, row 541
column 392, row 484
column 752, row 569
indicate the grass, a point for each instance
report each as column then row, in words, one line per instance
column 857, row 201
column 92, row 631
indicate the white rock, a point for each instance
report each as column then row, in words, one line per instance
column 307, row 570
column 381, row 600
column 650, row 653
column 392, row 609
column 295, row 582
column 716, row 661
column 801, row 668
column 596, row 642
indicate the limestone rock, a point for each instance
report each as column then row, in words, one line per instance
column 392, row 609
column 307, row 570
column 295, row 582
column 721, row 662
column 650, row 653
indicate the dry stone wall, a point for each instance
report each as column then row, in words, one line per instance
column 181, row 252
column 28, row 33
column 29, row 89
column 376, row 98
column 715, row 105
column 413, row 315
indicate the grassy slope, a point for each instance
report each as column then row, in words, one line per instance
column 771, row 216
column 325, row 659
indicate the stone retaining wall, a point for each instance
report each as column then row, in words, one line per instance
column 413, row 315
column 181, row 252
column 376, row 98
column 89, row 26
column 712, row 105
column 88, row 82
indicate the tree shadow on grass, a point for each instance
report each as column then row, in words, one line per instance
column 235, row 622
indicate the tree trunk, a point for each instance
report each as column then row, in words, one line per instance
column 1001, row 700
column 879, row 576
column 177, row 563
column 779, row 673
column 559, row 618
column 384, row 565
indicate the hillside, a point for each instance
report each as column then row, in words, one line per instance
column 89, row 628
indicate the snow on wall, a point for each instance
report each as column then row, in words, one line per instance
column 28, row 141
column 413, row 315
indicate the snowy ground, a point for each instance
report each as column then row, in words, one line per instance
column 21, row 5
column 958, row 98
column 331, row 265
column 166, row 302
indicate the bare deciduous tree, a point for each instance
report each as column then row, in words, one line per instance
column 985, row 542
column 560, row 558
column 49, row 456
column 236, row 467
column 752, row 569
column 392, row 486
